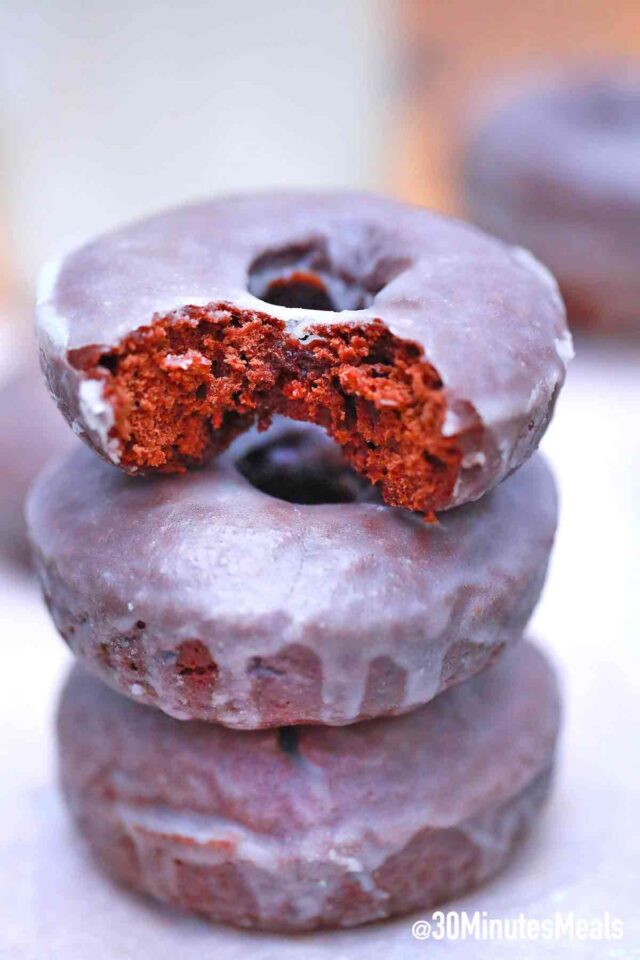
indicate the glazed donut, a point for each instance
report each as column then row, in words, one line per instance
column 430, row 352
column 31, row 433
column 558, row 169
column 307, row 827
column 271, row 588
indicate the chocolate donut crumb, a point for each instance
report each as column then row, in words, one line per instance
column 183, row 387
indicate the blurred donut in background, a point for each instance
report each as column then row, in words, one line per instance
column 556, row 169
column 32, row 432
column 449, row 51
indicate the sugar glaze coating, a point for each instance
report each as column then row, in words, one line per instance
column 210, row 595
column 327, row 827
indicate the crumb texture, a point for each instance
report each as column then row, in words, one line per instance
column 183, row 387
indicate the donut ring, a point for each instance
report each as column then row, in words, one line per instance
column 430, row 352
column 209, row 598
column 312, row 827
column 558, row 169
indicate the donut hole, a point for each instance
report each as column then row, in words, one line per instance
column 297, row 288
column 305, row 276
column 304, row 467
column 288, row 741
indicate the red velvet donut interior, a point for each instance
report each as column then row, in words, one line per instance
column 183, row 387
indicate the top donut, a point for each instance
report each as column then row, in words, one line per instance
column 431, row 352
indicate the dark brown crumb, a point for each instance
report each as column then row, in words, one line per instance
column 194, row 660
column 183, row 387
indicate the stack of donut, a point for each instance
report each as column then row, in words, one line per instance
column 297, row 574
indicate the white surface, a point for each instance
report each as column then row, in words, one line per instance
column 585, row 855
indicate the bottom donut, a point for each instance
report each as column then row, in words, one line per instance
column 309, row 827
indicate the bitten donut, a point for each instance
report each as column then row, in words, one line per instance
column 31, row 433
column 431, row 352
column 307, row 827
column 558, row 169
column 265, row 590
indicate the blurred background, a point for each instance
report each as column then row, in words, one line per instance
column 110, row 110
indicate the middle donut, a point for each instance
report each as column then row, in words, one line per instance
column 272, row 587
